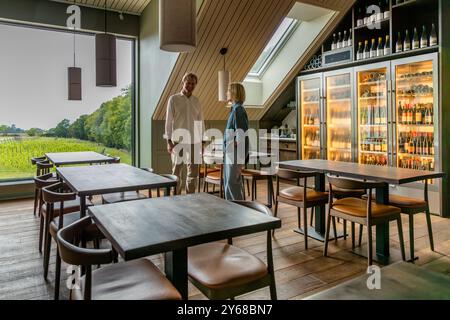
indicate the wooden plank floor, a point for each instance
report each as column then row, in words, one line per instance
column 299, row 273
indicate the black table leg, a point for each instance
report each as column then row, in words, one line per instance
column 269, row 191
column 318, row 232
column 382, row 230
column 82, row 206
column 175, row 265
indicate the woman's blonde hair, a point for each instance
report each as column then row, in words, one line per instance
column 237, row 92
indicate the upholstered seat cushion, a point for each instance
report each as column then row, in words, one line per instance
column 221, row 266
column 214, row 175
column 358, row 208
column 404, row 202
column 296, row 194
column 122, row 197
column 134, row 280
column 92, row 231
column 208, row 171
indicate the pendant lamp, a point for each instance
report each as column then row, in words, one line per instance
column 74, row 79
column 105, row 58
column 178, row 25
column 224, row 78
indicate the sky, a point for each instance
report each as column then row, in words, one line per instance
column 33, row 76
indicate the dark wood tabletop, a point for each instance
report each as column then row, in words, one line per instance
column 111, row 178
column 386, row 174
column 147, row 227
column 72, row 158
column 399, row 281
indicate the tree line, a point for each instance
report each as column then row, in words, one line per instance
column 109, row 125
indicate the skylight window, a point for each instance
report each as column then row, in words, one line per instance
column 275, row 44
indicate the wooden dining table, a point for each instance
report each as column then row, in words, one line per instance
column 75, row 158
column 388, row 175
column 110, row 178
column 171, row 225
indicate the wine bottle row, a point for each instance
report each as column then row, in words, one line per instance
column 375, row 160
column 373, row 50
column 415, row 143
column 378, row 11
column 373, row 115
column 406, row 43
column 415, row 114
column 374, row 145
column 342, row 40
column 417, row 164
column 312, row 138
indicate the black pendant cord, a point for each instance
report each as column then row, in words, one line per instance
column 105, row 19
column 74, row 41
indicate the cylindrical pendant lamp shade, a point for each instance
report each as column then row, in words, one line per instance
column 224, row 81
column 74, row 83
column 178, row 25
column 105, row 60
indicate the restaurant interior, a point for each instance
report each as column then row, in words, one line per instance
column 343, row 194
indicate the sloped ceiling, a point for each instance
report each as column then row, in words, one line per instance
column 245, row 27
column 125, row 6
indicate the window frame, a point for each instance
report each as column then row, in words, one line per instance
column 135, row 114
column 276, row 50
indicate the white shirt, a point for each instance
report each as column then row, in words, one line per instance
column 184, row 113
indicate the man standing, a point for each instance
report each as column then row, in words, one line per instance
column 184, row 133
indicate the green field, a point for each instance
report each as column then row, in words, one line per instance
column 15, row 153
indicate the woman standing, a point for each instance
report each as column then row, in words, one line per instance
column 236, row 143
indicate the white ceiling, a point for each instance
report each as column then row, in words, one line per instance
column 125, row 6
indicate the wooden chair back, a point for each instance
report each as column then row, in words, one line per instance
column 43, row 167
column 68, row 239
column 38, row 159
column 57, row 193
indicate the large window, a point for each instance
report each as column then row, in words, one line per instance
column 35, row 114
column 276, row 43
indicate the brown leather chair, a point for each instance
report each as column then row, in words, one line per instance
column 134, row 280
column 203, row 172
column 126, row 196
column 411, row 207
column 215, row 178
column 254, row 176
column 59, row 195
column 363, row 212
column 36, row 195
column 222, row 271
column 299, row 196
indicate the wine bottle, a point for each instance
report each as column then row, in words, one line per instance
column 373, row 49
column 344, row 40
column 398, row 44
column 366, row 54
column 416, row 41
column 333, row 44
column 424, row 38
column 359, row 54
column 387, row 46
column 380, row 49
column 407, row 42
column 360, row 18
column 433, row 36
column 349, row 40
column 386, row 13
column 339, row 41
column 418, row 115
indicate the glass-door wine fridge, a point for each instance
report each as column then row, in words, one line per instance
column 339, row 115
column 415, row 96
column 374, row 118
column 310, row 100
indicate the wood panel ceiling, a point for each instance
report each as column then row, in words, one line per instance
column 245, row 27
column 125, row 6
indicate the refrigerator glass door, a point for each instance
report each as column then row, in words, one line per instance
column 416, row 103
column 372, row 97
column 339, row 117
column 310, row 117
